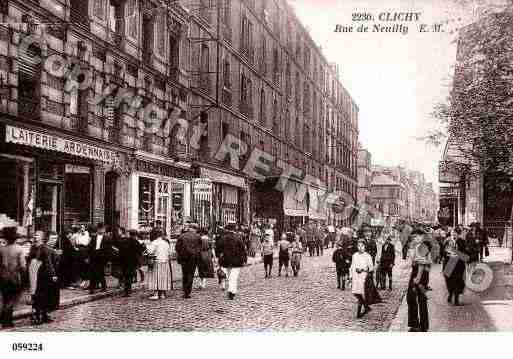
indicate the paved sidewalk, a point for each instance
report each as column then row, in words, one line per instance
column 489, row 310
column 70, row 297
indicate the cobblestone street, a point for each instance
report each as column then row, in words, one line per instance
column 307, row 302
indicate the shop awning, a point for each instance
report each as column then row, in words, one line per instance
column 221, row 177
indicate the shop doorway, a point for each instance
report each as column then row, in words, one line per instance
column 48, row 211
column 112, row 214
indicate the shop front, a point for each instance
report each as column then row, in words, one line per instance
column 229, row 196
column 51, row 182
column 160, row 195
column 295, row 208
column 267, row 203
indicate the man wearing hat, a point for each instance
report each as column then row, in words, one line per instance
column 232, row 256
column 12, row 266
column 416, row 298
column 130, row 252
column 188, row 251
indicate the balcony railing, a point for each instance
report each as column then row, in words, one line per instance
column 249, row 54
column 115, row 134
column 246, row 109
column 78, row 18
column 205, row 83
column 29, row 108
column 226, row 97
column 116, row 39
column 147, row 143
column 78, row 123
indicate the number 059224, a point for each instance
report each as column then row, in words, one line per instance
column 27, row 347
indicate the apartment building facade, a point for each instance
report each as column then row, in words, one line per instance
column 89, row 90
column 257, row 76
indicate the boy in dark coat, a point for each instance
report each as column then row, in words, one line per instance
column 232, row 256
column 387, row 262
column 342, row 259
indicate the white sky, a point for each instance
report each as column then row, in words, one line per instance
column 395, row 79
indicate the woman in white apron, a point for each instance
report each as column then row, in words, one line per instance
column 361, row 265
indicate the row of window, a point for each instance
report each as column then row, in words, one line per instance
column 122, row 19
column 325, row 80
column 336, row 125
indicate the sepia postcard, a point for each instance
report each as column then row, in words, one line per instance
column 255, row 166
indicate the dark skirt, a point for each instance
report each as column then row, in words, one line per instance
column 206, row 266
column 371, row 292
column 455, row 282
column 47, row 295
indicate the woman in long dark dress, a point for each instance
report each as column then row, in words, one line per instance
column 454, row 266
column 205, row 265
column 43, row 280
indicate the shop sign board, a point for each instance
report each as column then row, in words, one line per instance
column 221, row 177
column 162, row 169
column 50, row 142
column 202, row 185
column 76, row 169
column 449, row 172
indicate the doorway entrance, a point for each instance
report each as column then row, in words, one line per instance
column 112, row 214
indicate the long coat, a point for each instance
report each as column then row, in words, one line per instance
column 47, row 294
column 455, row 279
column 188, row 247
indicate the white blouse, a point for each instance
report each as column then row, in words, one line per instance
column 160, row 249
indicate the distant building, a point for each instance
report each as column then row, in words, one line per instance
column 420, row 201
column 388, row 197
column 364, row 177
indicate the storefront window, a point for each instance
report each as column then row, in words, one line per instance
column 163, row 203
column 16, row 192
column 229, row 204
column 177, row 205
column 77, row 195
column 146, row 202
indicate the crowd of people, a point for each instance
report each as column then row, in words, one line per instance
column 363, row 258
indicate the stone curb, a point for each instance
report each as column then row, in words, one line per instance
column 395, row 325
column 86, row 298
